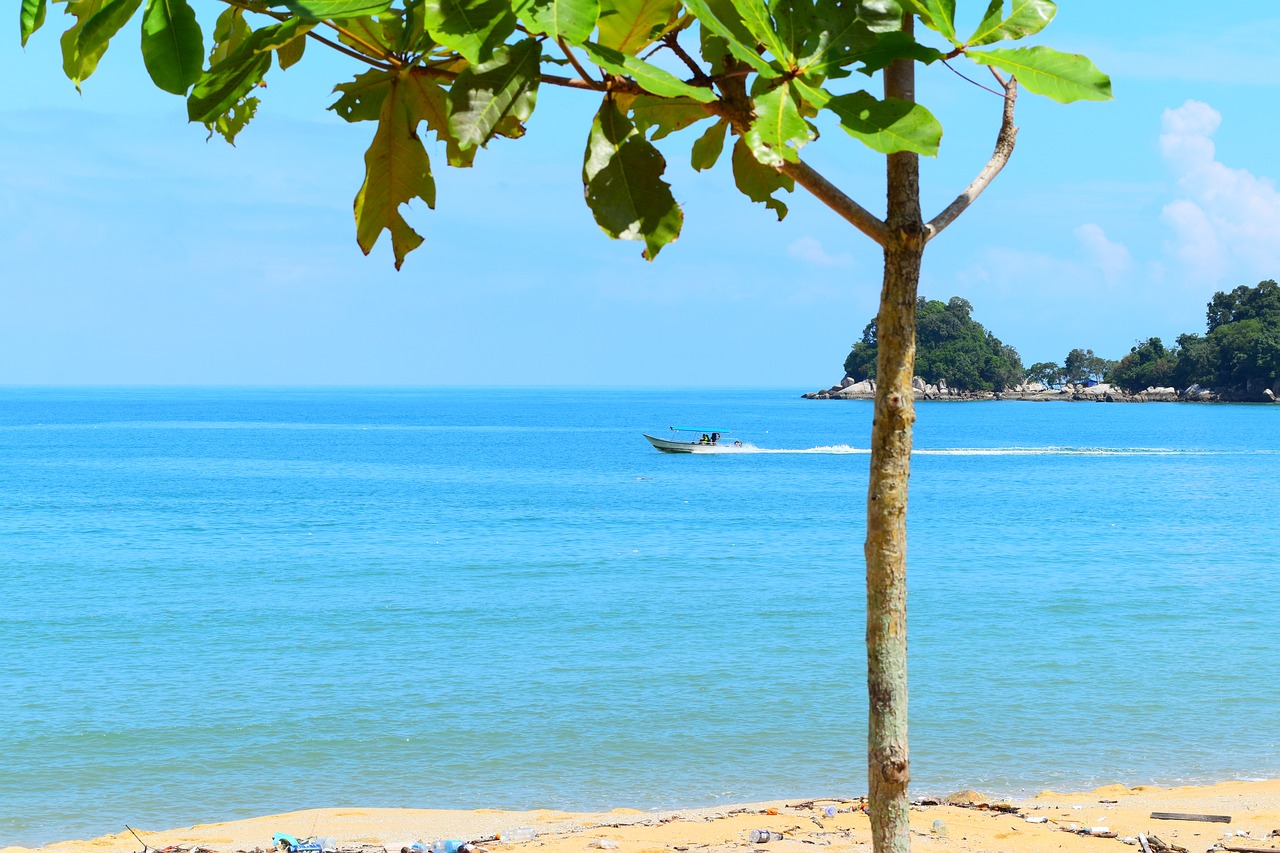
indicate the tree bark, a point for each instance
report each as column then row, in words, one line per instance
column 886, row 543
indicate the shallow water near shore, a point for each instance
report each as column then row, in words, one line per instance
column 224, row 603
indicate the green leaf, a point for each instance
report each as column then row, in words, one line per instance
column 363, row 97
column 172, row 45
column 229, row 33
column 706, row 150
column 888, row 126
column 290, row 53
column 473, row 28
column 31, row 17
column 741, row 50
column 77, row 64
column 229, row 124
column 278, row 35
column 890, row 47
column 397, row 170
column 222, row 86
column 755, row 15
column 622, row 176
column 937, row 15
column 1027, row 18
column 325, row 10
column 779, row 130
column 571, row 20
column 666, row 114
column 881, row 16
column 837, row 37
column 629, row 25
column 98, row 30
column 1064, row 77
column 651, row 78
column 488, row 98
column 757, row 181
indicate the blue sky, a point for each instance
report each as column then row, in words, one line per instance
column 132, row 251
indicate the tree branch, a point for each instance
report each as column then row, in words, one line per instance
column 577, row 66
column 671, row 40
column 617, row 84
column 355, row 54
column 1004, row 148
column 830, row 195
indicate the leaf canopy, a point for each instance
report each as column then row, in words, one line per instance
column 1026, row 18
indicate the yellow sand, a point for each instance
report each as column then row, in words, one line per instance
column 1254, row 808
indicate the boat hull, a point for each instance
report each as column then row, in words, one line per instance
column 668, row 446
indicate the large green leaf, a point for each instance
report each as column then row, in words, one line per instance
column 106, row 22
column 757, row 181
column 1064, row 77
column 222, row 85
column 629, row 25
column 779, row 130
column 326, row 10
column 740, row 49
column 651, row 78
column 937, row 15
column 1027, row 18
column 571, row 20
column 889, row 47
column 474, row 28
column 397, row 170
column 278, row 35
column 888, row 126
column 172, row 45
column 78, row 65
column 490, row 98
column 31, row 17
column 622, row 176
column 707, row 148
column 836, row 37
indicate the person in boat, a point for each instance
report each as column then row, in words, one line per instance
column 715, row 437
column 705, row 439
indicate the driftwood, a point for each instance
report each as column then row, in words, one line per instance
column 1236, row 849
column 1210, row 818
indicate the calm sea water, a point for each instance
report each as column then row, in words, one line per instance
column 217, row 604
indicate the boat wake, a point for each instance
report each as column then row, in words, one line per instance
column 850, row 450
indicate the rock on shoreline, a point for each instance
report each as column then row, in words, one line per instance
column 851, row 389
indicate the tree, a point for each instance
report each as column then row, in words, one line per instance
column 951, row 346
column 1149, row 364
column 470, row 70
column 1044, row 372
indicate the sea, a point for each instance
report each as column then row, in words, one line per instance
column 224, row 603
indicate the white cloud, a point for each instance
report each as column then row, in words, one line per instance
column 1112, row 258
column 1227, row 224
column 809, row 250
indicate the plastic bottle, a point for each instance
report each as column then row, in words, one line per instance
column 762, row 836
column 449, row 845
column 939, row 828
column 518, row 833
column 830, row 811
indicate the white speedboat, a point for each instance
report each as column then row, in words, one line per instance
column 704, row 441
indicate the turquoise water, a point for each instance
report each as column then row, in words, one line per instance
column 217, row 604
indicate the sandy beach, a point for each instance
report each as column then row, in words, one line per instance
column 965, row 821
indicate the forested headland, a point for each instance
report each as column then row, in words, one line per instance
column 1237, row 358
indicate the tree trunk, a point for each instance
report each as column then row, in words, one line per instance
column 886, row 544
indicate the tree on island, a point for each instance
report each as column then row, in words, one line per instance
column 951, row 347
column 759, row 72
column 1239, row 354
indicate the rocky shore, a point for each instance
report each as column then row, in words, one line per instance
column 851, row 389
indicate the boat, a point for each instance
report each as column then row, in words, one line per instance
column 705, row 441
